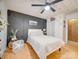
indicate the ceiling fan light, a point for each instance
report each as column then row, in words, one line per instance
column 47, row 7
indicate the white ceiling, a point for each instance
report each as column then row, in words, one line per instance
column 24, row 6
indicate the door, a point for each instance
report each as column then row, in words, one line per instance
column 73, row 30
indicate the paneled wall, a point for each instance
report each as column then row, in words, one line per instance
column 21, row 23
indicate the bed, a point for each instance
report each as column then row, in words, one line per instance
column 42, row 44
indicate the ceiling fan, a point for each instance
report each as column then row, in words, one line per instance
column 47, row 5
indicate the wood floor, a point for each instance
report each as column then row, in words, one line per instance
column 69, row 51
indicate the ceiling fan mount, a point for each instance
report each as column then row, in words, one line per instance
column 47, row 5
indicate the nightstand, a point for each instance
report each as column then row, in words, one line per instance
column 45, row 33
column 10, row 43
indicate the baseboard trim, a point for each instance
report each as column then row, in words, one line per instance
column 75, row 43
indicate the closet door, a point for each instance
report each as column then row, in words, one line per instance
column 73, row 30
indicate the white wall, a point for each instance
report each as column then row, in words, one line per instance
column 55, row 28
column 59, row 23
column 3, row 33
column 73, row 15
column 50, row 27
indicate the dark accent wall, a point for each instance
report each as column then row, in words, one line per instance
column 20, row 22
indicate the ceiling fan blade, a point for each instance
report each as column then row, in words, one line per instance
column 42, row 11
column 38, row 5
column 56, row 1
column 52, row 9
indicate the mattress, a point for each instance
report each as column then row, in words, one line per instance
column 44, row 45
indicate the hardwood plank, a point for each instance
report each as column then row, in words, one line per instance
column 69, row 51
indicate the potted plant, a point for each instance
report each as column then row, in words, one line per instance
column 3, row 23
column 13, row 35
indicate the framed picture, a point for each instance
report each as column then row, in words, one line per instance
column 34, row 23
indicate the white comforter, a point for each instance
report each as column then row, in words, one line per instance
column 44, row 45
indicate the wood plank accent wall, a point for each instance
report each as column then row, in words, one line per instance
column 20, row 22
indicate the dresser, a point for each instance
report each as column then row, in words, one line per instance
column 2, row 43
column 3, row 32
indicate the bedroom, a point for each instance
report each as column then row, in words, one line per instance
column 24, row 23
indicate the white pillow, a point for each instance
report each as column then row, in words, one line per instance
column 35, row 32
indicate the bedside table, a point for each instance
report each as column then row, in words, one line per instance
column 10, row 43
column 45, row 33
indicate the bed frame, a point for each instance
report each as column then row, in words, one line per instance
column 59, row 49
